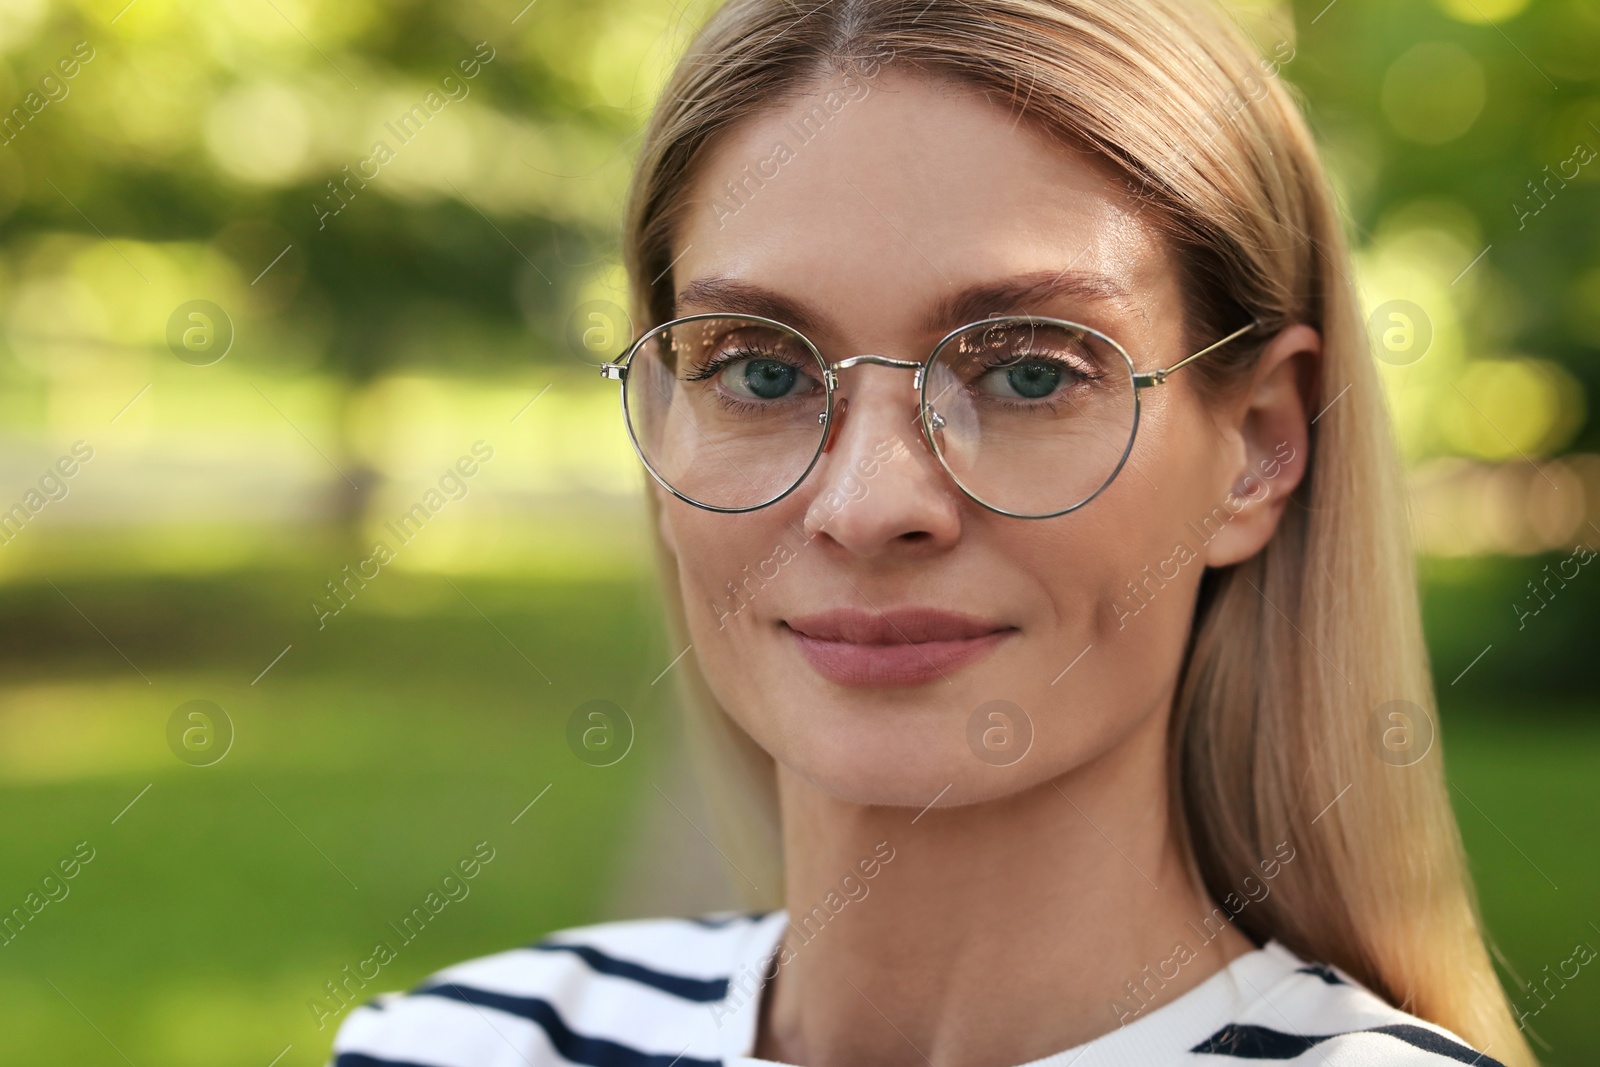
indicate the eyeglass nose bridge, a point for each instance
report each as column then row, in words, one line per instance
column 918, row 369
column 882, row 361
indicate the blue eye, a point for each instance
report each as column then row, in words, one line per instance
column 1032, row 380
column 752, row 365
column 760, row 379
column 1027, row 379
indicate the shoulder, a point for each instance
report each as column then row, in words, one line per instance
column 641, row 993
column 1313, row 1013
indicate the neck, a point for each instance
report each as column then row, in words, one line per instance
column 988, row 934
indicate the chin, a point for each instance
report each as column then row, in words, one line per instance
column 895, row 778
column 901, row 753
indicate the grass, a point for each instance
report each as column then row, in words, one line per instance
column 1527, row 796
column 365, row 764
column 381, row 750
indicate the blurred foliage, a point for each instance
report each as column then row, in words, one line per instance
column 208, row 131
column 1439, row 127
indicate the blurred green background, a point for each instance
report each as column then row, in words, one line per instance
column 370, row 335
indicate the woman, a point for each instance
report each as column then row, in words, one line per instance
column 1085, row 706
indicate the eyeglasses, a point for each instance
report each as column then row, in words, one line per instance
column 1031, row 417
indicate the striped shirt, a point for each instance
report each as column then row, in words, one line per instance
column 686, row 993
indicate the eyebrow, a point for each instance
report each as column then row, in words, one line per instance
column 1021, row 294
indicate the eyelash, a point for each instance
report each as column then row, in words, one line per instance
column 717, row 363
column 711, row 369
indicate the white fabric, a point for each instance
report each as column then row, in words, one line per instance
column 649, row 996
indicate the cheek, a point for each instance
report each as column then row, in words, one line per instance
column 1118, row 594
column 1149, row 511
column 735, row 585
column 731, row 571
column 1123, row 572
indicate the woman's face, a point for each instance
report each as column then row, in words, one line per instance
column 863, row 628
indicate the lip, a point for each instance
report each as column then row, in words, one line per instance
column 899, row 647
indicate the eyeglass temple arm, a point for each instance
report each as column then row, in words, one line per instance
column 1156, row 377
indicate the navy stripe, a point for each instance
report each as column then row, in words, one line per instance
column 1260, row 1043
column 1255, row 1043
column 1428, row 1041
column 1322, row 972
column 361, row 1059
column 591, row 1051
column 703, row 990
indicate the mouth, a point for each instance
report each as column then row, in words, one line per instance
column 899, row 647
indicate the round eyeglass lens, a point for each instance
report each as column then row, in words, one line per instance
column 1031, row 416
column 726, row 410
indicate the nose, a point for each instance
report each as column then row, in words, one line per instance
column 878, row 489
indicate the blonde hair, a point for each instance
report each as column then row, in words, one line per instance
column 1295, row 651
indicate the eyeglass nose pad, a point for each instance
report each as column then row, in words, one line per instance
column 835, row 423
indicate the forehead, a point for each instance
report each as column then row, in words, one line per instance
column 875, row 201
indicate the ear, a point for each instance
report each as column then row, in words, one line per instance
column 1268, row 428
